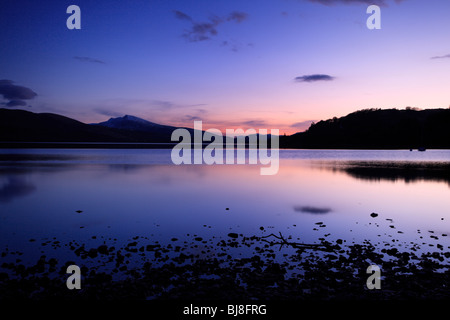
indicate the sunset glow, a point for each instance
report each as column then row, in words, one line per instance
column 231, row 64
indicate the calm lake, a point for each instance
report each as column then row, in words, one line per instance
column 82, row 194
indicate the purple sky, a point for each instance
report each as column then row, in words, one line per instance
column 233, row 64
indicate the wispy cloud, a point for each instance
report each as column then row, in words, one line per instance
column 237, row 16
column 191, row 118
column 181, row 15
column 108, row 112
column 255, row 123
column 198, row 105
column 15, row 95
column 163, row 104
column 235, row 46
column 314, row 78
column 381, row 3
column 206, row 30
column 153, row 104
column 302, row 125
column 441, row 57
column 90, row 60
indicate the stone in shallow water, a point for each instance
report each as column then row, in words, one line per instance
column 92, row 253
column 103, row 249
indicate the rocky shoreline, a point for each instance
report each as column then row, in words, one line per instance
column 248, row 268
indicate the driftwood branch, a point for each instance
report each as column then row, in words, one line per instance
column 284, row 242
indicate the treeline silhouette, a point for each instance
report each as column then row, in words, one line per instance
column 377, row 129
column 364, row 129
column 396, row 171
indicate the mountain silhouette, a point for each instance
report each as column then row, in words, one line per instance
column 21, row 125
column 363, row 129
column 377, row 129
column 133, row 123
column 26, row 126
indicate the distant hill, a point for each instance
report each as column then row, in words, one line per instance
column 138, row 130
column 26, row 126
column 377, row 129
column 364, row 129
column 21, row 125
column 133, row 123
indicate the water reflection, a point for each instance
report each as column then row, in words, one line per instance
column 129, row 192
column 312, row 210
column 16, row 157
column 407, row 172
column 15, row 187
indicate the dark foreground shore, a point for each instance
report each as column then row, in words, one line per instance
column 270, row 267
